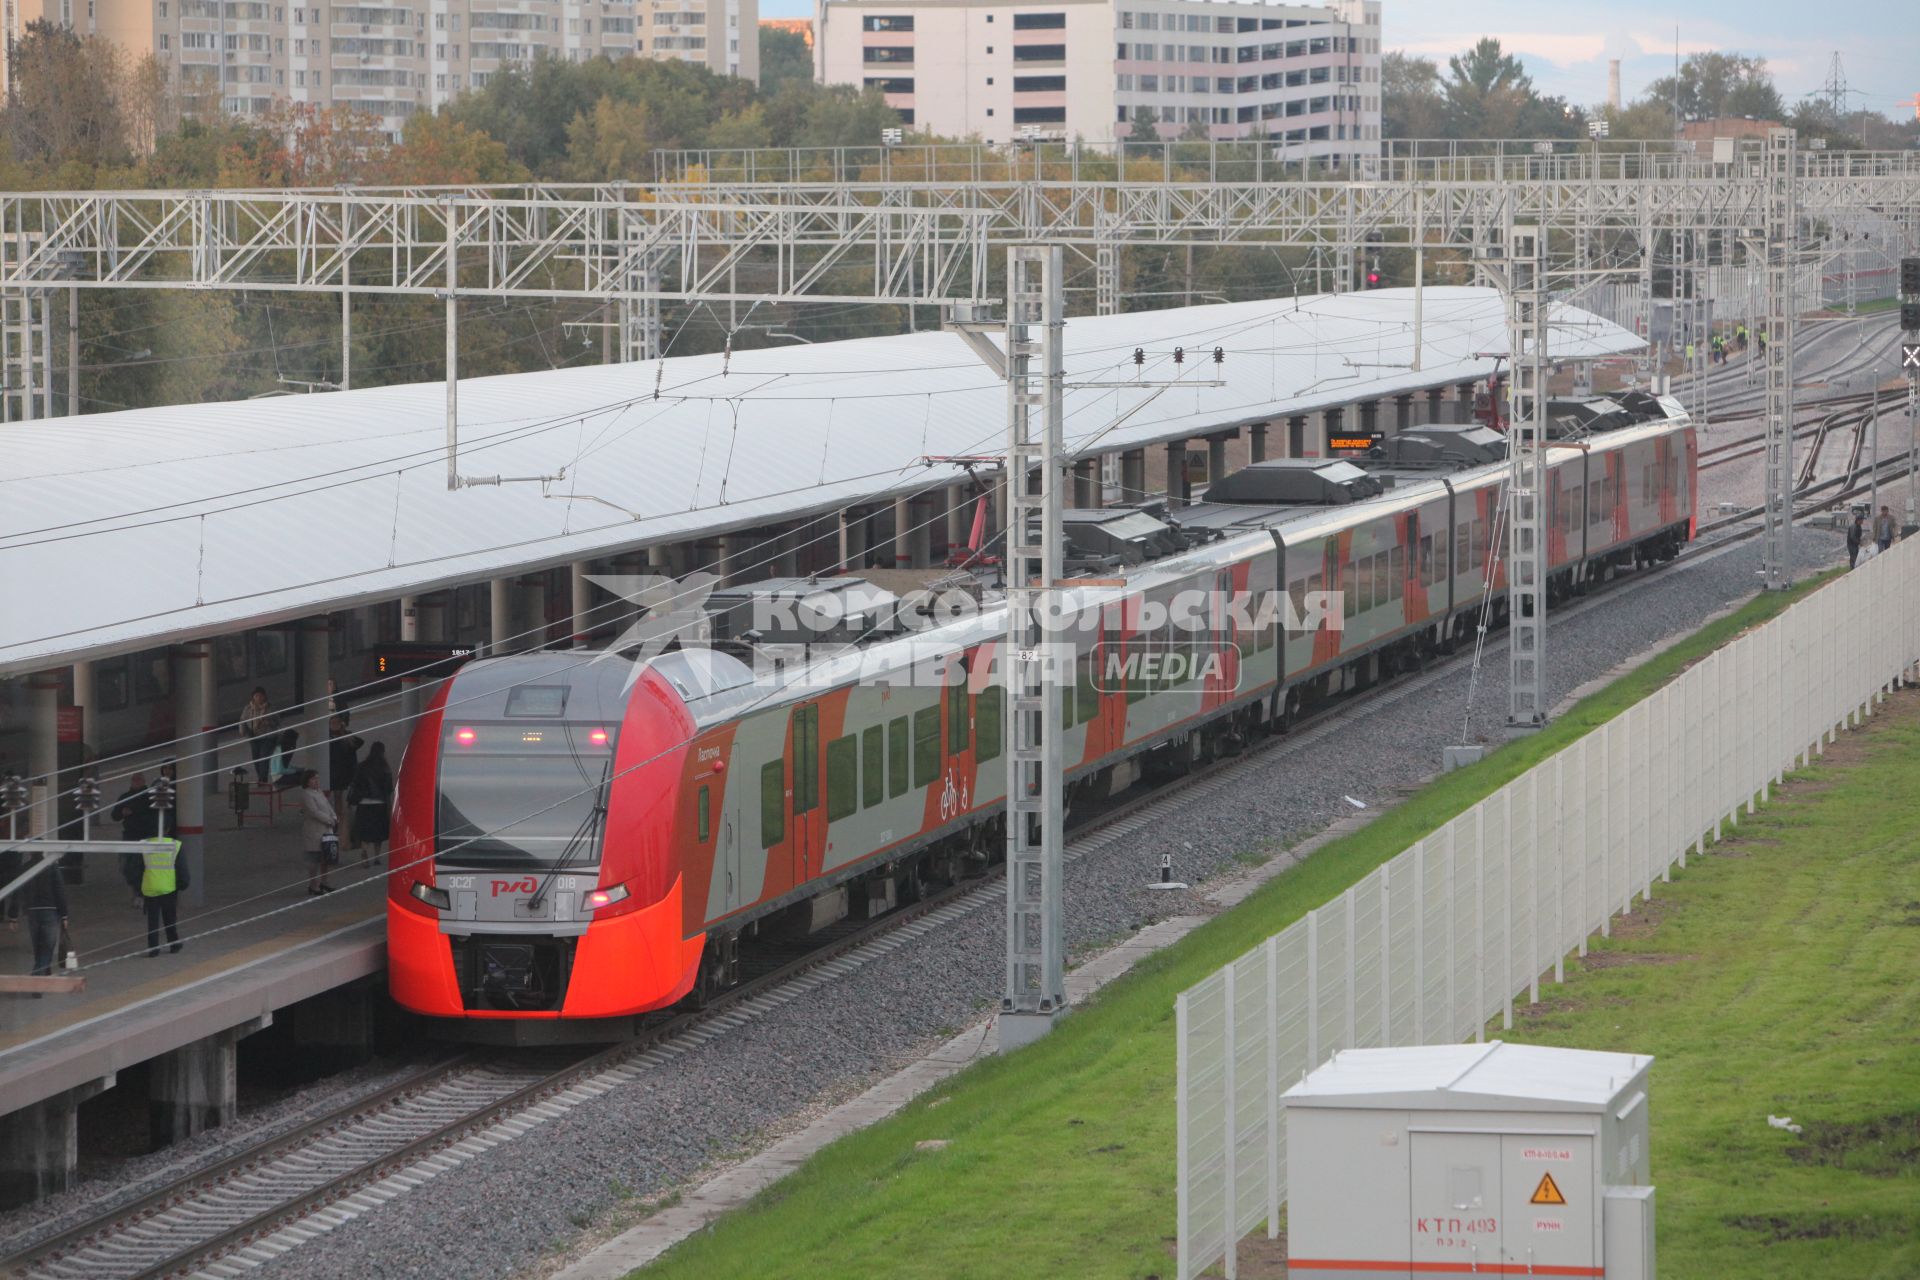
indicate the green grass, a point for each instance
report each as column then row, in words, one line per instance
column 1865, row 308
column 1062, row 1156
column 1776, row 976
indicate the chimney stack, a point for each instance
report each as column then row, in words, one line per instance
column 1613, row 83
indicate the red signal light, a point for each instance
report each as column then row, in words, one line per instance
column 1373, row 278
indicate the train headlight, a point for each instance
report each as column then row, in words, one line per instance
column 606, row 897
column 439, row 899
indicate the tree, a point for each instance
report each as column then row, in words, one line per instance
column 1646, row 120
column 1713, row 85
column 1490, row 95
column 742, row 129
column 1146, row 125
column 315, row 146
column 610, row 142
column 784, row 56
column 199, row 153
column 1412, row 104
column 63, row 98
column 843, row 116
column 437, row 150
column 1814, row 118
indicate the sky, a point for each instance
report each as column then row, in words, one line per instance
column 1566, row 43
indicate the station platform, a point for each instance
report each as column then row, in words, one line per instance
column 254, row 944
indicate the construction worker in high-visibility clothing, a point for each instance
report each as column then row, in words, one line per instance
column 162, row 876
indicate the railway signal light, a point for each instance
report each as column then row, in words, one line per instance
column 1139, row 356
column 1910, row 316
column 1910, row 277
column 1179, row 355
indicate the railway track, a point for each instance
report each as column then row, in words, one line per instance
column 1749, row 446
column 296, row 1185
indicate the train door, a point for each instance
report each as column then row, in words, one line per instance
column 808, row 840
column 727, row 855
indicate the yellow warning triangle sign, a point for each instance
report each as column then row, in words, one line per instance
column 1548, row 1192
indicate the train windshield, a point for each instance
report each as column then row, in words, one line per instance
column 521, row 795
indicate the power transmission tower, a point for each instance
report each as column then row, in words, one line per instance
column 1835, row 89
column 1036, row 480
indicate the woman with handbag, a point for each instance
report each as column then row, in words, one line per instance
column 317, row 821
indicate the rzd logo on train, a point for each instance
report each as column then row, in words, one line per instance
column 527, row 885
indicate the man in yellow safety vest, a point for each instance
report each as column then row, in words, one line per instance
column 161, row 878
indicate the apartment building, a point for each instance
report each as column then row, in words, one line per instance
column 395, row 57
column 1306, row 76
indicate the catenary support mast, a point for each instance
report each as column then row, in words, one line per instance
column 1775, row 554
column 1036, row 476
column 1526, row 479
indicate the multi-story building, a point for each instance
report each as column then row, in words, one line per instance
column 394, row 57
column 1306, row 76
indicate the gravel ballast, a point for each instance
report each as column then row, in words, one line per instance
column 575, row 1178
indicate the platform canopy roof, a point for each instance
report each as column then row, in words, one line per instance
column 119, row 531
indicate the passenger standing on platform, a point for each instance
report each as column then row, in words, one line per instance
column 44, row 899
column 1884, row 528
column 371, row 796
column 343, row 759
column 1856, row 534
column 317, row 818
column 257, row 724
column 162, row 877
column 134, row 812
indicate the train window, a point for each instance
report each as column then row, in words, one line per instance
column 1266, row 620
column 926, row 746
column 540, row 701
column 1298, row 593
column 873, row 767
column 1397, row 574
column 1440, row 546
column 702, row 819
column 843, row 777
column 1350, row 594
column 773, row 803
column 986, row 728
column 897, row 744
column 1086, row 697
column 1462, row 548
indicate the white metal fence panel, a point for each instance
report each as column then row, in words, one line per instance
column 1443, row 938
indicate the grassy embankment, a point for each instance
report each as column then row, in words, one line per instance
column 1060, row 1158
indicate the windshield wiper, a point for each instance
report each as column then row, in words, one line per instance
column 579, row 840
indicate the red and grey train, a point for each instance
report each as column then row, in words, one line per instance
column 580, row 840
